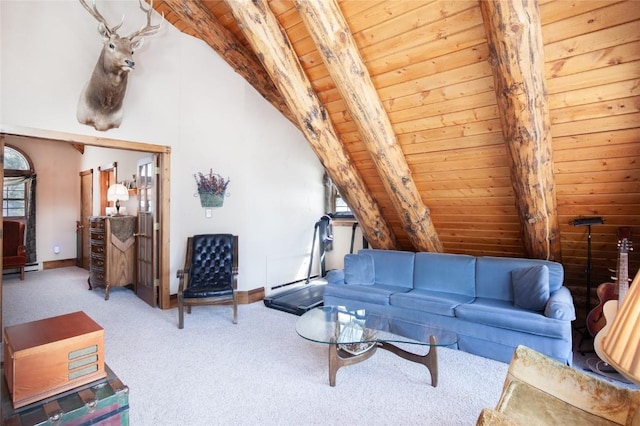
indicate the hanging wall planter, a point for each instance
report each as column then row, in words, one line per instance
column 211, row 199
column 211, row 189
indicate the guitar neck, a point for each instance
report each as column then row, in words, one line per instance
column 624, row 246
column 623, row 277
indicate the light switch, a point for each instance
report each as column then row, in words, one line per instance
column 208, row 213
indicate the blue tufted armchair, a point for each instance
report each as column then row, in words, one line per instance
column 210, row 274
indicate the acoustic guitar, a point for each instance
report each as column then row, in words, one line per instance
column 610, row 307
column 607, row 291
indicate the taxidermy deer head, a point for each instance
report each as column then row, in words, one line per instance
column 100, row 103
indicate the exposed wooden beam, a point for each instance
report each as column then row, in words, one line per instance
column 263, row 31
column 195, row 15
column 517, row 58
column 339, row 51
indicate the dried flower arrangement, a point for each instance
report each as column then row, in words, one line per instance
column 211, row 183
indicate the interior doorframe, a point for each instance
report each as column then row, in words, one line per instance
column 163, row 214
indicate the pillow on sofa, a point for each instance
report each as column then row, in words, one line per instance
column 531, row 287
column 358, row 269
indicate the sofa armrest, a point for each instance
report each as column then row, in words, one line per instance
column 489, row 417
column 335, row 276
column 545, row 383
column 560, row 305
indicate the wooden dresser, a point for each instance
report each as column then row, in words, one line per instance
column 113, row 259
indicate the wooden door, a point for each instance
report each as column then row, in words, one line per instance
column 147, row 235
column 86, row 210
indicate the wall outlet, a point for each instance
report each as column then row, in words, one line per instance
column 208, row 213
column 56, row 249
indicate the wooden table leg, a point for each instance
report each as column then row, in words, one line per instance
column 430, row 360
column 339, row 358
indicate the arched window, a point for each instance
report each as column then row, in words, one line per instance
column 17, row 172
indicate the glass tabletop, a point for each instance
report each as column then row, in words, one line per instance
column 347, row 327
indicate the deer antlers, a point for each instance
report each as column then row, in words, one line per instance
column 146, row 30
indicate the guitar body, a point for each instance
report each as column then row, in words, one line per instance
column 596, row 320
column 609, row 310
column 611, row 307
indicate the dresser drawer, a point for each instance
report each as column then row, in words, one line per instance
column 97, row 260
column 96, row 223
column 96, row 276
column 97, row 248
column 97, row 235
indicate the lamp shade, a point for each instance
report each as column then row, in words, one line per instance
column 116, row 192
column 621, row 346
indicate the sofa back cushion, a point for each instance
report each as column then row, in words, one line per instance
column 358, row 269
column 531, row 287
column 392, row 267
column 449, row 273
column 493, row 275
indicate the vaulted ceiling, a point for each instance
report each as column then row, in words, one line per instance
column 473, row 127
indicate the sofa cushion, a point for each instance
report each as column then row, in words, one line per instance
column 445, row 272
column 376, row 294
column 502, row 314
column 560, row 305
column 493, row 275
column 358, row 269
column 435, row 302
column 531, row 287
column 393, row 268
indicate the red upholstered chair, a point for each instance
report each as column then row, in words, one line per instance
column 14, row 254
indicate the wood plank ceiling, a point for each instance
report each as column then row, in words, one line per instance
column 424, row 117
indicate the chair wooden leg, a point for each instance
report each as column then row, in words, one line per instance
column 22, row 273
column 235, row 312
column 180, row 313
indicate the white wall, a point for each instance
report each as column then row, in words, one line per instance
column 183, row 95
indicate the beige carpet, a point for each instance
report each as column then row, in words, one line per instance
column 258, row 372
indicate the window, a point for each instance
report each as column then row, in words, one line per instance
column 335, row 203
column 17, row 168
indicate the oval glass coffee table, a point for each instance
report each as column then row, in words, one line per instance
column 354, row 336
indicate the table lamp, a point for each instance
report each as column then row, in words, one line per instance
column 621, row 346
column 117, row 192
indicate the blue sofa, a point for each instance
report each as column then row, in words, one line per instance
column 494, row 304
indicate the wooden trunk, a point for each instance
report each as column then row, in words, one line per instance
column 45, row 357
column 104, row 402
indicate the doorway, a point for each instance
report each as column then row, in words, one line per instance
column 162, row 217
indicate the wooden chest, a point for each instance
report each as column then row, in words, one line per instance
column 49, row 356
column 104, row 402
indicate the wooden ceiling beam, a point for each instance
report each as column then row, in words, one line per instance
column 516, row 55
column 200, row 20
column 264, row 33
column 340, row 54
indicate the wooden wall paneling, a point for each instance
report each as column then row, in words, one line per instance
column 605, row 39
column 559, row 10
column 410, row 146
column 595, row 77
column 435, row 47
column 596, row 125
column 609, row 107
column 459, row 16
column 483, row 113
column 616, row 90
column 432, row 98
column 600, row 58
column 615, row 13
